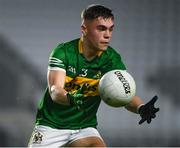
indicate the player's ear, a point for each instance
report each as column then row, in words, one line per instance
column 83, row 29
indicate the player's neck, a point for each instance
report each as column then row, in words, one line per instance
column 89, row 51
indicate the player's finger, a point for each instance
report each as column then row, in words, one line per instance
column 149, row 120
column 153, row 115
column 156, row 110
column 142, row 120
column 153, row 100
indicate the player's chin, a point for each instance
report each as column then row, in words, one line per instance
column 103, row 47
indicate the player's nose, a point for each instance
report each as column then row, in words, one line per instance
column 107, row 34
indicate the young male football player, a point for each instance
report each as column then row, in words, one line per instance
column 67, row 112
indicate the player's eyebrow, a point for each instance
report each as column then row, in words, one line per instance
column 103, row 27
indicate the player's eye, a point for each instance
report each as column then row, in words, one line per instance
column 111, row 29
column 101, row 28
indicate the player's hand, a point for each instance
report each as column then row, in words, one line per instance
column 148, row 111
column 76, row 98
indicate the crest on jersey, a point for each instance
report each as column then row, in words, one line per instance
column 97, row 75
column 37, row 137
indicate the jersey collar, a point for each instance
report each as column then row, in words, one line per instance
column 81, row 49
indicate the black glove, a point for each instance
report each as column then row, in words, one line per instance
column 75, row 98
column 148, row 111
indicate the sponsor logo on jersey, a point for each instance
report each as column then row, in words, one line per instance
column 72, row 85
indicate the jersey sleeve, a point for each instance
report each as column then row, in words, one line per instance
column 57, row 59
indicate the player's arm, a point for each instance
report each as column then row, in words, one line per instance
column 134, row 104
column 56, row 81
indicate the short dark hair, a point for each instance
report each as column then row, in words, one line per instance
column 95, row 11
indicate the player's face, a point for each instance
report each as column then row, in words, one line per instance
column 99, row 32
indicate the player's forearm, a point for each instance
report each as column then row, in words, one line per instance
column 134, row 104
column 59, row 95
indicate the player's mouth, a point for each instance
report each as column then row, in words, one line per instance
column 105, row 43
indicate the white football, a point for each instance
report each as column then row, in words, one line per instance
column 117, row 87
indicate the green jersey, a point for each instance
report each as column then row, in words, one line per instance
column 69, row 58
